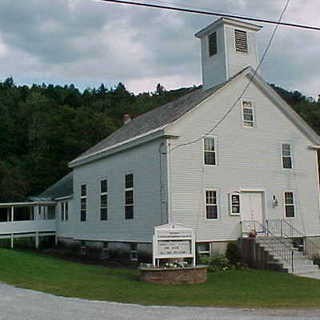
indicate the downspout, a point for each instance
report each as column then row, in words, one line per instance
column 169, row 193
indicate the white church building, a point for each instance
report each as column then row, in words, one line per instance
column 226, row 159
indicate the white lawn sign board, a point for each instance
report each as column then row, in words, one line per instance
column 173, row 242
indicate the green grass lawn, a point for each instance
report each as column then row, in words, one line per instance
column 250, row 288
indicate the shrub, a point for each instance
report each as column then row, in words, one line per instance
column 233, row 253
column 316, row 259
column 216, row 262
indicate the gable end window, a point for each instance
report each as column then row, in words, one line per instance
column 83, row 203
column 241, row 41
column 289, row 204
column 211, row 204
column 209, row 151
column 286, row 156
column 128, row 195
column 248, row 114
column 104, row 199
column 212, row 44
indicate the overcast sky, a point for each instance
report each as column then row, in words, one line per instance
column 89, row 42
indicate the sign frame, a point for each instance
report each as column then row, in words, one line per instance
column 174, row 235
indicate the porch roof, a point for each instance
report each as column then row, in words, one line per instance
column 26, row 204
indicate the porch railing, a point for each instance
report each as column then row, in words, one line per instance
column 284, row 229
column 280, row 247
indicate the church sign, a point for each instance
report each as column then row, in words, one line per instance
column 173, row 242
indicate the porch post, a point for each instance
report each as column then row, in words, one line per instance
column 11, row 241
column 12, row 213
column 37, row 240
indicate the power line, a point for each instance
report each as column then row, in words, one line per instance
column 246, row 87
column 212, row 13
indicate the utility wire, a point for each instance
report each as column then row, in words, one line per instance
column 212, row 13
column 246, row 87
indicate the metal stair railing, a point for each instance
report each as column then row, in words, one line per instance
column 281, row 249
column 287, row 230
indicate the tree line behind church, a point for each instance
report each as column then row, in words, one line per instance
column 43, row 127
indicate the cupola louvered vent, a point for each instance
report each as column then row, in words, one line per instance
column 241, row 41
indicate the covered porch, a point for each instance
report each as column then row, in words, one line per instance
column 27, row 219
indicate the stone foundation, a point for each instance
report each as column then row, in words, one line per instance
column 189, row 275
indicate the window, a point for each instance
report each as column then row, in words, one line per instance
column 241, row 41
column 83, row 203
column 212, row 44
column 104, row 199
column 289, row 204
column 211, row 204
column 133, row 252
column 203, row 249
column 64, row 210
column 209, row 152
column 247, row 114
column 286, row 156
column 128, row 206
column 235, row 204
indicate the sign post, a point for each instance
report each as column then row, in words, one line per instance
column 173, row 242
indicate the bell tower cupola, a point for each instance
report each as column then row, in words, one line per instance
column 227, row 47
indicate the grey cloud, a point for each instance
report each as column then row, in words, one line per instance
column 85, row 41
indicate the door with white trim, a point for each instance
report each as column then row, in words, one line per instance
column 251, row 208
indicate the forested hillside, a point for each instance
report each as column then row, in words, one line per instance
column 43, row 127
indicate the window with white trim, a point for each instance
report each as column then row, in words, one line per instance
column 128, row 194
column 234, row 204
column 289, row 205
column 209, row 151
column 241, row 41
column 286, row 156
column 212, row 44
column 104, row 199
column 83, row 202
column 211, row 204
column 248, row 114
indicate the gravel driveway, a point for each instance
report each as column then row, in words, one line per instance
column 21, row 304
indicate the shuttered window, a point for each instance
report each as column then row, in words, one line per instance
column 212, row 43
column 241, row 41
